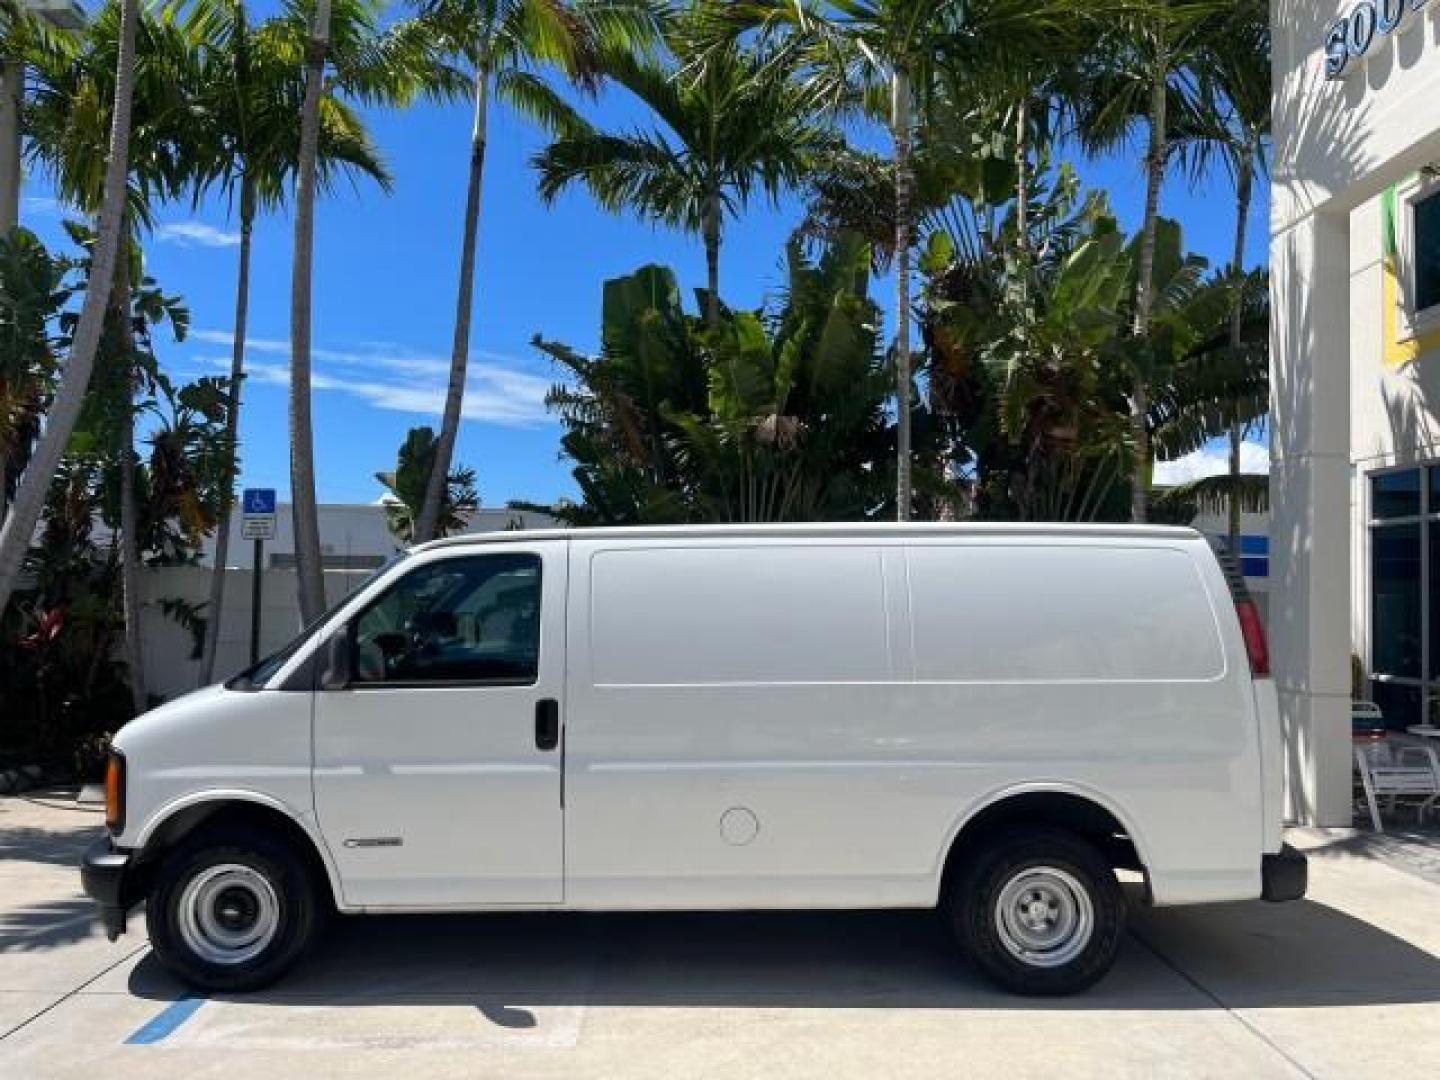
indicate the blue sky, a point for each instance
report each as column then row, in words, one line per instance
column 385, row 296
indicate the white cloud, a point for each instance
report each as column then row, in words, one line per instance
column 1211, row 461
column 195, row 234
column 397, row 378
column 227, row 338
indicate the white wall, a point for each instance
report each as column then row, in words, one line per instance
column 169, row 671
column 358, row 530
column 1339, row 142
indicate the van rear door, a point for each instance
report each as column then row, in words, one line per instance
column 437, row 770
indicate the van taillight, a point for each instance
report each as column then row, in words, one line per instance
column 115, row 792
column 1254, row 631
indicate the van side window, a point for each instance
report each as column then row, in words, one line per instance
column 474, row 619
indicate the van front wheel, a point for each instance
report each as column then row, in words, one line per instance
column 1039, row 910
column 232, row 912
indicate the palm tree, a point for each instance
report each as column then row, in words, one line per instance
column 1241, row 75
column 732, row 120
column 1221, row 385
column 888, row 56
column 405, row 488
column 1147, row 71
column 389, row 69
column 503, row 44
column 19, row 525
column 896, row 42
column 310, row 577
column 251, row 89
column 159, row 163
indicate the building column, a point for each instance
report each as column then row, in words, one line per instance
column 1309, row 617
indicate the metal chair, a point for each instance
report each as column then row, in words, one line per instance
column 1393, row 768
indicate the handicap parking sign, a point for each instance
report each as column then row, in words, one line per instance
column 258, row 501
column 257, row 514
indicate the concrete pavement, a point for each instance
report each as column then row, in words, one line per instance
column 1344, row 984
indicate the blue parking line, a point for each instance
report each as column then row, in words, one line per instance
column 166, row 1021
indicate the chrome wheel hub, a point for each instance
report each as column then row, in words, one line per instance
column 228, row 913
column 1044, row 916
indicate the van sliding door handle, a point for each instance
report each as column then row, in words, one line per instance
column 547, row 724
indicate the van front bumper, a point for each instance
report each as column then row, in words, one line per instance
column 108, row 876
column 1283, row 875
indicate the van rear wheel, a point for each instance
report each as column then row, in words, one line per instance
column 1039, row 910
column 232, row 911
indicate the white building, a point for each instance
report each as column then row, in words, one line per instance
column 353, row 536
column 1355, row 420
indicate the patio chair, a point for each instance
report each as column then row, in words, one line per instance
column 1392, row 768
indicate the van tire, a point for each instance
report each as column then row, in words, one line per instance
column 1052, row 884
column 233, row 911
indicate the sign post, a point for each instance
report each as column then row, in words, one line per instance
column 257, row 523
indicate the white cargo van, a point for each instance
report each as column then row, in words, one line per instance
column 986, row 718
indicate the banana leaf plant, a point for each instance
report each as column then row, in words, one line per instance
column 776, row 415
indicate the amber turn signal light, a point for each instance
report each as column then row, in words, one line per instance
column 115, row 792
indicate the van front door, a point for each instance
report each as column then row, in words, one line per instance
column 437, row 769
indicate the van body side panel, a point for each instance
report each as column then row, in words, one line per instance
column 1267, row 711
column 217, row 744
column 1113, row 667
column 770, row 725
column 735, row 736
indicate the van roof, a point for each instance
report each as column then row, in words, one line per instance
column 821, row 530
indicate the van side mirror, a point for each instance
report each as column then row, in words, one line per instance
column 338, row 652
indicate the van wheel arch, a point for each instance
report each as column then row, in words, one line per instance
column 1064, row 810
column 222, row 816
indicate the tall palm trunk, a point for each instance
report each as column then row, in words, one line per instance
column 1022, row 177
column 711, row 230
column 12, row 104
column 427, row 522
column 1244, row 184
column 29, row 500
column 311, row 578
column 216, row 606
column 126, row 458
column 1144, row 294
column 900, row 129
column 1022, row 205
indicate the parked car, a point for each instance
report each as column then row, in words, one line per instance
column 987, row 719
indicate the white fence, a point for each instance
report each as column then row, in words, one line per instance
column 169, row 668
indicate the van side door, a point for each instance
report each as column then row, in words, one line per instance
column 437, row 769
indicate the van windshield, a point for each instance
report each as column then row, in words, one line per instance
column 258, row 675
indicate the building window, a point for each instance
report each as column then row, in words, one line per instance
column 1395, row 495
column 1396, row 615
column 1427, row 253
column 1405, row 594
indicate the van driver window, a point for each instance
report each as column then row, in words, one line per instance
column 473, row 620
